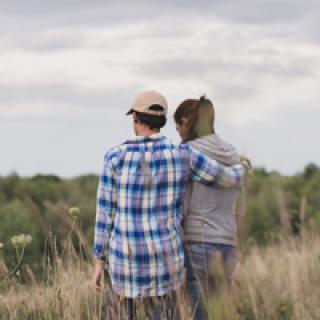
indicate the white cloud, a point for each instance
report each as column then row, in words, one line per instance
column 77, row 65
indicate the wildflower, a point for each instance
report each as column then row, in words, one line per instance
column 21, row 240
column 74, row 212
column 1, row 255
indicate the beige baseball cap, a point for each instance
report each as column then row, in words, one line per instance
column 146, row 99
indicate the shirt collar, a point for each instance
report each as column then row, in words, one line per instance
column 144, row 139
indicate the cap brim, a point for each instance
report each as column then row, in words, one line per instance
column 129, row 112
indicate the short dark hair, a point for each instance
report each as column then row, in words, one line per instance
column 152, row 121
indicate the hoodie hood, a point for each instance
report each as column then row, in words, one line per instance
column 216, row 148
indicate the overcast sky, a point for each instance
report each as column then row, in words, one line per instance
column 69, row 71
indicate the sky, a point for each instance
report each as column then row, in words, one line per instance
column 69, row 71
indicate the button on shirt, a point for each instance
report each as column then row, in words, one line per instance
column 140, row 207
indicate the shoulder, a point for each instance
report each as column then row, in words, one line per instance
column 220, row 150
column 186, row 150
column 224, row 142
column 113, row 155
column 167, row 142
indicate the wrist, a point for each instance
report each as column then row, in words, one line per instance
column 100, row 263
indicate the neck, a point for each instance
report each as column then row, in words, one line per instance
column 146, row 132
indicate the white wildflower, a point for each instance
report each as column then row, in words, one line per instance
column 74, row 212
column 21, row 240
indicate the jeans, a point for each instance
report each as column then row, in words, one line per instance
column 201, row 261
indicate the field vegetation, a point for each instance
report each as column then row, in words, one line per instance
column 46, row 274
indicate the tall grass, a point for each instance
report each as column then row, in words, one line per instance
column 66, row 293
column 278, row 282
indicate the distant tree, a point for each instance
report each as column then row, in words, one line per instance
column 259, row 222
column 310, row 170
column 49, row 177
column 8, row 185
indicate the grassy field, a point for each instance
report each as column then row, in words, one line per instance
column 278, row 276
column 277, row 282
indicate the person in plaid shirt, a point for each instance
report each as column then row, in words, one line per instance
column 140, row 207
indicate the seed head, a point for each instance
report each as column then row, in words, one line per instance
column 74, row 212
column 21, row 240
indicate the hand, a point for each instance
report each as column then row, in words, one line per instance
column 98, row 277
column 247, row 163
column 244, row 158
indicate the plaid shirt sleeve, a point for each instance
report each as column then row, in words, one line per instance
column 105, row 209
column 211, row 172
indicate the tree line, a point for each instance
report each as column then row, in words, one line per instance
column 276, row 205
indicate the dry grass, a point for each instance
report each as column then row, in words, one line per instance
column 279, row 282
column 68, row 294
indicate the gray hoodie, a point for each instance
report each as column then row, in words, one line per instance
column 210, row 214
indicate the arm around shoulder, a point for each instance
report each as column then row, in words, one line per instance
column 211, row 172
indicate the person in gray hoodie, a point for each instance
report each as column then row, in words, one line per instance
column 210, row 215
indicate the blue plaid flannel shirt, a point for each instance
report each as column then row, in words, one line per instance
column 139, row 211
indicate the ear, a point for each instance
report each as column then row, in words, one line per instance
column 135, row 119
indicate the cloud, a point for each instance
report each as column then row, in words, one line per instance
column 56, row 104
column 71, row 68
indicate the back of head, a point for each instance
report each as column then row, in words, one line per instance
column 154, row 122
column 197, row 115
column 150, row 108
